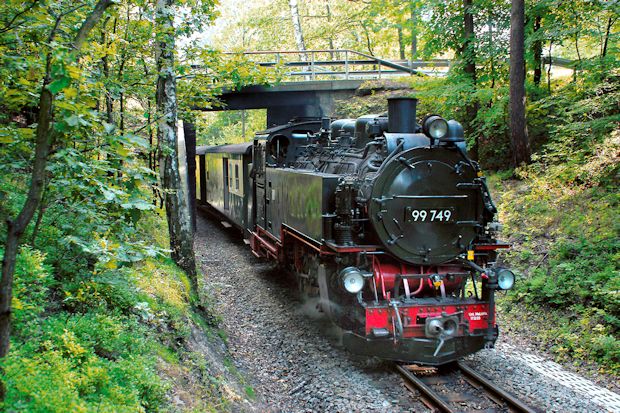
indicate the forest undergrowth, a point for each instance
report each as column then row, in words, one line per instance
column 562, row 221
column 103, row 335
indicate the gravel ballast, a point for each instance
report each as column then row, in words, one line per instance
column 292, row 358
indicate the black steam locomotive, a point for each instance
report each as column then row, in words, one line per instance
column 387, row 221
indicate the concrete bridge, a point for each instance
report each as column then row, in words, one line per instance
column 315, row 79
column 287, row 100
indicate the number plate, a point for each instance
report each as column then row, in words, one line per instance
column 435, row 215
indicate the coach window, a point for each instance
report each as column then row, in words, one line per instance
column 237, row 177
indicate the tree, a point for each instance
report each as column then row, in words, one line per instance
column 518, row 128
column 468, row 54
column 299, row 35
column 43, row 138
column 414, row 31
column 537, row 46
column 176, row 198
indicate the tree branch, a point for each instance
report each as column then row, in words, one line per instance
column 90, row 22
column 9, row 25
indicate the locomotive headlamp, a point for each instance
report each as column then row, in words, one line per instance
column 505, row 279
column 352, row 280
column 435, row 127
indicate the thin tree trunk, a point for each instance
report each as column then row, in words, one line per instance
column 468, row 55
column 150, row 132
column 518, row 128
column 121, row 70
column 549, row 67
column 329, row 22
column 176, row 201
column 109, row 105
column 368, row 41
column 610, row 23
column 41, row 212
column 121, row 109
column 414, row 33
column 401, row 43
column 537, row 51
column 43, row 143
column 493, row 75
column 299, row 35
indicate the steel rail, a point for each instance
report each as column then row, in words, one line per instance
column 487, row 385
column 424, row 389
column 512, row 401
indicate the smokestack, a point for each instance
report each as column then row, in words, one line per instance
column 401, row 114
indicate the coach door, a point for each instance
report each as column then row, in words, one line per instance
column 226, row 185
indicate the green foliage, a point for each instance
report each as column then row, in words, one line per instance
column 91, row 360
column 31, row 289
column 95, row 298
column 99, row 312
column 562, row 217
column 94, row 302
column 580, row 272
column 219, row 128
column 99, row 348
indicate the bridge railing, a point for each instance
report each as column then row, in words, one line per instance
column 336, row 64
column 323, row 64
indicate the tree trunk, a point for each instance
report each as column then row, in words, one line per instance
column 493, row 74
column 299, row 35
column 468, row 54
column 109, row 105
column 176, row 201
column 42, row 208
column 43, row 143
column 329, row 20
column 549, row 67
column 607, row 32
column 537, row 51
column 578, row 63
column 414, row 33
column 518, row 128
column 368, row 41
column 401, row 43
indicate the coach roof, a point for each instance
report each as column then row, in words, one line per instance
column 239, row 148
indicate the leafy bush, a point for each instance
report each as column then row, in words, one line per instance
column 98, row 356
column 31, row 288
column 562, row 216
column 91, row 340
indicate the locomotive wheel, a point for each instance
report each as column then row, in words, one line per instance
column 307, row 280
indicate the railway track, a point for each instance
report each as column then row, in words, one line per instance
column 459, row 388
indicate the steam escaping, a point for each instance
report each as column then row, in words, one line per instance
column 334, row 334
column 311, row 308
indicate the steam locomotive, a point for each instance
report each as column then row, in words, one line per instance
column 387, row 221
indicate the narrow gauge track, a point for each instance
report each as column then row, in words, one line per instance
column 458, row 388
